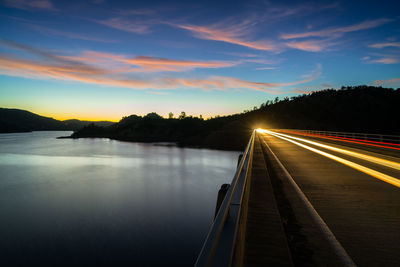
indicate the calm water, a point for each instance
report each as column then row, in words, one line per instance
column 98, row 201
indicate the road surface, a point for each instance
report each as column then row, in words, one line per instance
column 356, row 192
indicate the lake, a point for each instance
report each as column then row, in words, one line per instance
column 105, row 202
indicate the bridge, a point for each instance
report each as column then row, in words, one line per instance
column 309, row 198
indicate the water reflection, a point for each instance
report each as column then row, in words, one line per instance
column 104, row 202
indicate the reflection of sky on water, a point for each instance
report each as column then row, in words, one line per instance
column 106, row 201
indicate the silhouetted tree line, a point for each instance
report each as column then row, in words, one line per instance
column 363, row 108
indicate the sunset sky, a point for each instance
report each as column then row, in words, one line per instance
column 104, row 59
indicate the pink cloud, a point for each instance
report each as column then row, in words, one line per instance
column 391, row 81
column 151, row 63
column 114, row 70
column 84, row 74
column 310, row 46
column 337, row 31
column 233, row 34
column 124, row 63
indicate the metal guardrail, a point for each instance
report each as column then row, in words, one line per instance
column 218, row 248
column 363, row 136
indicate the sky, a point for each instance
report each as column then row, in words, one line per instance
column 103, row 59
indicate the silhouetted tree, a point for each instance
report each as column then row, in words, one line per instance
column 153, row 115
column 183, row 115
column 170, row 115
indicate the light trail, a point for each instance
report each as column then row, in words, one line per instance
column 381, row 176
column 376, row 160
column 348, row 140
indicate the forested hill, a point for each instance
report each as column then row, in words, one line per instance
column 355, row 109
column 17, row 120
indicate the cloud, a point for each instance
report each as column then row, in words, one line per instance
column 28, row 4
column 261, row 61
column 391, row 81
column 71, row 35
column 151, row 63
column 383, row 45
column 385, row 60
column 381, row 59
column 124, row 63
column 78, row 69
column 230, row 33
column 126, row 25
column 267, row 68
column 32, row 69
column 337, row 31
column 310, row 46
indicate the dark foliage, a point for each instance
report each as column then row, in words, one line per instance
column 355, row 109
column 365, row 109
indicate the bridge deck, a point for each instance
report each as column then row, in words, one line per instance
column 265, row 242
column 300, row 202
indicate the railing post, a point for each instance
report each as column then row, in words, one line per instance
column 221, row 195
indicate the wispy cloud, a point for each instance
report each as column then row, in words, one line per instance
column 385, row 60
column 267, row 68
column 128, row 25
column 368, row 24
column 389, row 82
column 32, row 69
column 70, row 35
column 29, row 4
column 77, row 69
column 381, row 59
column 152, row 63
column 383, row 45
column 228, row 32
column 124, row 63
column 310, row 46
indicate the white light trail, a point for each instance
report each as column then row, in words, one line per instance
column 376, row 174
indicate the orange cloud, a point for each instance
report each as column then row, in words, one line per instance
column 124, row 63
column 150, row 63
column 391, row 81
column 338, row 31
column 70, row 72
column 114, row 70
column 31, row 69
column 311, row 46
column 234, row 35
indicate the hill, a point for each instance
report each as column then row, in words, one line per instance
column 17, row 120
column 364, row 109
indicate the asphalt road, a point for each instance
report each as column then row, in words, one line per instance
column 362, row 210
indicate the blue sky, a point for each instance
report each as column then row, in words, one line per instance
column 107, row 59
